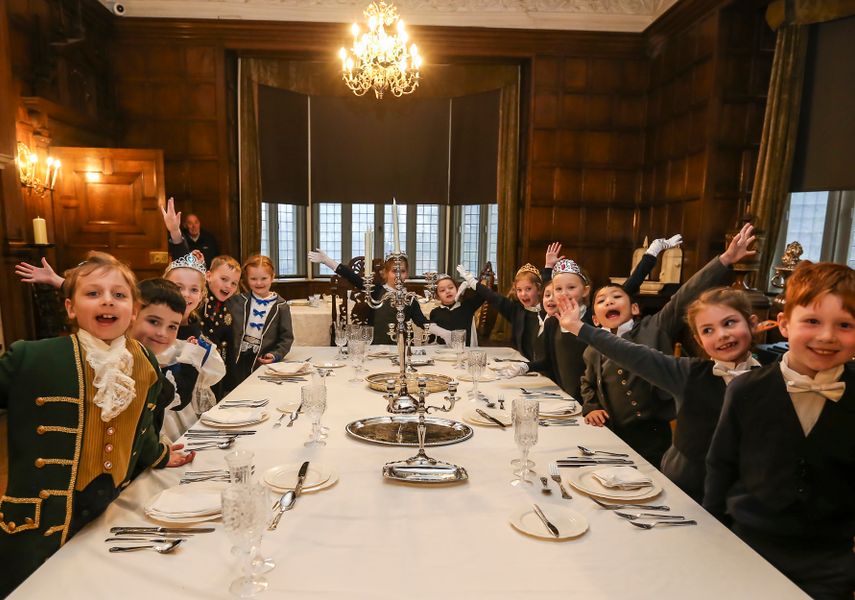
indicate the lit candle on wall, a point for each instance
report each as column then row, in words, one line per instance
column 395, row 226
column 47, row 172
column 55, row 171
column 39, row 231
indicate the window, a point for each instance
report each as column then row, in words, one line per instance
column 822, row 223
column 423, row 228
column 283, row 237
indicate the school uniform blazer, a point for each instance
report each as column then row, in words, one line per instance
column 277, row 336
column 457, row 318
column 766, row 475
column 43, row 387
column 657, row 331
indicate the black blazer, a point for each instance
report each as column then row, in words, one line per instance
column 765, row 474
column 277, row 336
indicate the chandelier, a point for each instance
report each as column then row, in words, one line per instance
column 380, row 59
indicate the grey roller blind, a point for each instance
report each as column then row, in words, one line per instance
column 283, row 141
column 474, row 148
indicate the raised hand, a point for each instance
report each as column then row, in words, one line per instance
column 569, row 314
column 172, row 220
column 552, row 254
column 319, row 256
column 33, row 274
column 468, row 277
column 660, row 244
column 738, row 250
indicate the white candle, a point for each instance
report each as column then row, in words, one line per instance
column 39, row 231
column 369, row 250
column 55, row 171
column 395, row 226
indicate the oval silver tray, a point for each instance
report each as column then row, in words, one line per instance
column 386, row 430
column 435, row 381
column 421, row 470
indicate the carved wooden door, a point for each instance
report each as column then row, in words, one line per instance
column 109, row 199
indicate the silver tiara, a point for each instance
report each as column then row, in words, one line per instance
column 565, row 265
column 392, row 255
column 188, row 261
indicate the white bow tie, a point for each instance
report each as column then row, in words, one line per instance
column 832, row 391
column 728, row 370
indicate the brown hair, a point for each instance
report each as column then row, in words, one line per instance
column 95, row 261
column 389, row 265
column 225, row 259
column 259, row 261
column 726, row 296
column 810, row 281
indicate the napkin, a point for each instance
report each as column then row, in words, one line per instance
column 499, row 415
column 187, row 500
column 288, row 369
column 622, row 478
column 557, row 407
column 232, row 416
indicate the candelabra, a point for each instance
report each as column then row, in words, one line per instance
column 421, row 468
column 402, row 334
column 30, row 174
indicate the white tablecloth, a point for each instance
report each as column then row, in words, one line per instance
column 369, row 538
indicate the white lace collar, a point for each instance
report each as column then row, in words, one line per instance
column 113, row 366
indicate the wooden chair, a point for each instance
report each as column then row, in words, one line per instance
column 361, row 311
column 486, row 314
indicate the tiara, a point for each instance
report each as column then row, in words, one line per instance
column 565, row 265
column 188, row 261
column 528, row 268
column 393, row 254
column 441, row 276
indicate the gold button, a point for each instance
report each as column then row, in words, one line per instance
column 620, row 371
column 108, row 465
column 623, row 381
column 11, row 525
column 40, row 429
column 40, row 462
column 40, row 401
column 28, row 521
column 44, row 495
column 108, row 448
column 634, row 403
column 111, row 430
column 629, row 392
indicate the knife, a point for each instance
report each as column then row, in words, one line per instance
column 490, row 418
column 552, row 528
column 295, row 414
column 301, row 478
column 162, row 530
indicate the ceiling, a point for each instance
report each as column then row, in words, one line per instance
column 588, row 15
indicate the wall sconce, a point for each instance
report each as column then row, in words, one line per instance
column 34, row 175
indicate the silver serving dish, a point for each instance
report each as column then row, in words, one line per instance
column 435, row 382
column 424, row 470
column 401, row 430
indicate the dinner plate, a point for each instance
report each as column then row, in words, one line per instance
column 555, row 407
column 474, row 418
column 298, row 302
column 329, row 365
column 285, row 476
column 211, row 423
column 583, row 480
column 177, row 492
column 570, row 523
column 333, row 478
column 445, row 357
column 383, row 354
column 483, row 378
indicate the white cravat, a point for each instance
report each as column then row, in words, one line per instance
column 809, row 394
column 730, row 370
column 113, row 365
column 540, row 320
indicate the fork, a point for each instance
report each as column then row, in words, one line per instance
column 630, row 506
column 644, row 515
column 652, row 525
column 556, row 477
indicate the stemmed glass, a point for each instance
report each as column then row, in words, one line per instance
column 357, row 348
column 458, row 344
column 314, row 404
column 340, row 339
column 524, row 415
column 245, row 513
column 476, row 361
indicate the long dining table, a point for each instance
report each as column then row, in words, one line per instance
column 367, row 537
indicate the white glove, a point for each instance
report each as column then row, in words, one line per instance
column 440, row 332
column 513, row 369
column 462, row 288
column 319, row 256
column 658, row 245
column 468, row 277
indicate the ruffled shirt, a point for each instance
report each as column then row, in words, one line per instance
column 113, row 366
column 809, row 394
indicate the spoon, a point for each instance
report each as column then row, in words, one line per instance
column 159, row 548
column 278, row 422
column 588, row 452
column 286, row 503
column 221, row 445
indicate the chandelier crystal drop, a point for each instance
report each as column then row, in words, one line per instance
column 380, row 59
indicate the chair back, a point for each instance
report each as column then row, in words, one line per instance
column 486, row 314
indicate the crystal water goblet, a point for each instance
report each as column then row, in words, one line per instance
column 476, row 361
column 524, row 411
column 340, row 339
column 314, row 404
column 357, row 351
column 245, row 513
column 458, row 344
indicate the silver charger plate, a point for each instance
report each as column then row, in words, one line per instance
column 386, row 430
column 424, row 471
